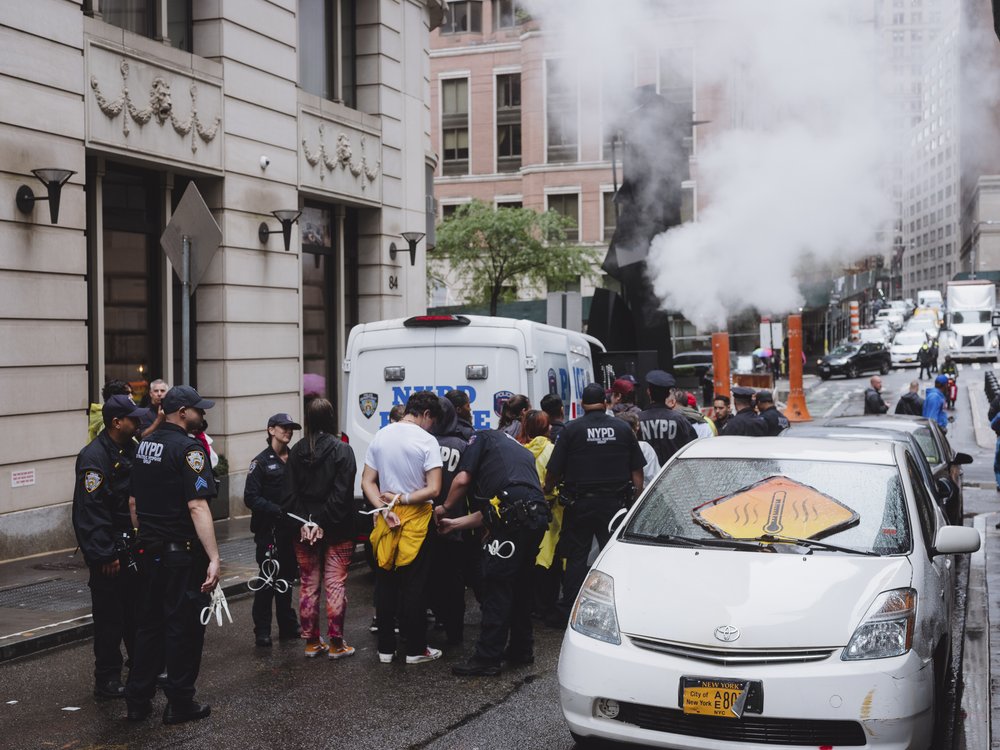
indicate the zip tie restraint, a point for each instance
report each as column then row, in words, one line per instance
column 310, row 524
column 496, row 546
column 383, row 510
column 216, row 606
column 269, row 568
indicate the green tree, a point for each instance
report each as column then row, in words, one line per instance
column 495, row 250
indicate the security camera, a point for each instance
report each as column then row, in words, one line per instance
column 264, row 162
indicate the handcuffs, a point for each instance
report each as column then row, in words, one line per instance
column 384, row 509
column 216, row 606
column 268, row 576
column 494, row 548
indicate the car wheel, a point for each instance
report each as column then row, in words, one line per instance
column 852, row 371
column 884, row 369
column 824, row 376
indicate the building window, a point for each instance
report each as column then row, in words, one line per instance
column 462, row 16
column 144, row 17
column 448, row 210
column 610, row 215
column 455, row 125
column 561, row 111
column 567, row 204
column 506, row 14
column 504, row 203
column 326, row 52
column 509, row 122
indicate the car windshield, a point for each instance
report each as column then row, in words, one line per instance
column 843, row 351
column 906, row 338
column 701, row 502
column 971, row 316
column 927, row 445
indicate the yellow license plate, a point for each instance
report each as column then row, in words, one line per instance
column 721, row 698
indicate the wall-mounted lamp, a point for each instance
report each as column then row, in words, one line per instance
column 412, row 239
column 287, row 218
column 53, row 179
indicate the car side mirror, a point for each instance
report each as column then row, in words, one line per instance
column 961, row 459
column 616, row 519
column 956, row 540
column 945, row 490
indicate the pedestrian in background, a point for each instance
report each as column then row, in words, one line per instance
column 273, row 533
column 910, row 402
column 95, row 415
column 153, row 418
column 463, row 411
column 680, row 401
column 924, row 358
column 623, row 398
column 934, row 355
column 934, row 402
column 401, row 478
column 720, row 412
column 319, row 487
column 103, row 527
column 510, row 414
column 874, row 403
column 553, row 406
column 746, row 421
column 172, row 483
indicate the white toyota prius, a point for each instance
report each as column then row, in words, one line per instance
column 768, row 592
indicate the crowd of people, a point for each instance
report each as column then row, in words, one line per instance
column 937, row 399
column 512, row 513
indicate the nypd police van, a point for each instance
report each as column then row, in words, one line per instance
column 490, row 359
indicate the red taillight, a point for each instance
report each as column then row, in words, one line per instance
column 344, row 438
column 436, row 321
column 572, row 410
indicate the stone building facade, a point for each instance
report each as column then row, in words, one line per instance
column 319, row 106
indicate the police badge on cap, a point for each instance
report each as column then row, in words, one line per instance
column 368, row 403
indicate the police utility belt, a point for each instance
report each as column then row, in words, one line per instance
column 623, row 492
column 519, row 508
column 159, row 547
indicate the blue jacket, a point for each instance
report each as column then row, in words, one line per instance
column 934, row 407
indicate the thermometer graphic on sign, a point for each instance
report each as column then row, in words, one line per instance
column 774, row 514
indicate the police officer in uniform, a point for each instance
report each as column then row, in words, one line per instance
column 172, row 483
column 776, row 421
column 745, row 421
column 598, row 461
column 272, row 533
column 104, row 532
column 498, row 476
column 666, row 429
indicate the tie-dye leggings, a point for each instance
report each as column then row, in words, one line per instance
column 329, row 561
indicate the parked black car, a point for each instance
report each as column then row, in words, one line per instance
column 852, row 360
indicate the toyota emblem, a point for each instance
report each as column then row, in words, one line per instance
column 727, row 633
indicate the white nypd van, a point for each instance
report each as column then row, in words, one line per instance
column 489, row 358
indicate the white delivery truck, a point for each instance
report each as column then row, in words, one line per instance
column 490, row 359
column 970, row 333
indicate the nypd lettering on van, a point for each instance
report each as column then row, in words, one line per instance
column 402, row 393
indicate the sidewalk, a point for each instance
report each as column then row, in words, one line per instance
column 45, row 601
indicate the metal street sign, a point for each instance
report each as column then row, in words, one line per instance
column 192, row 220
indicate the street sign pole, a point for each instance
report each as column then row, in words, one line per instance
column 186, row 310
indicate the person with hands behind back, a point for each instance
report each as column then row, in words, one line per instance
column 319, row 487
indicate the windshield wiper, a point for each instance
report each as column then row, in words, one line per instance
column 813, row 543
column 678, row 540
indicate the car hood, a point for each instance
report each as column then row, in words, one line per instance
column 905, row 348
column 776, row 600
column 838, row 359
column 971, row 329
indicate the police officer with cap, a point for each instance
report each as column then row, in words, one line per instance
column 498, row 476
column 272, row 534
column 666, row 429
column 103, row 529
column 172, row 483
column 776, row 421
column 745, row 421
column 599, row 463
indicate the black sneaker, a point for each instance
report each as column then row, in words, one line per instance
column 138, row 711
column 289, row 635
column 110, row 690
column 263, row 641
column 516, row 658
column 185, row 712
column 476, row 668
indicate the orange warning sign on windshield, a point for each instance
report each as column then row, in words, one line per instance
column 776, row 506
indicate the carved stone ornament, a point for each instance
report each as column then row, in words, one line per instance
column 160, row 106
column 343, row 157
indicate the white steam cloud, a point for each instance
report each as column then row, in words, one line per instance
column 792, row 164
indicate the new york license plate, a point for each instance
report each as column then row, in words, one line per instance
column 726, row 699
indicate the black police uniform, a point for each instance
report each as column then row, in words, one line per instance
column 273, row 536
column 775, row 421
column 595, row 457
column 104, row 532
column 171, row 469
column 746, row 422
column 449, row 552
column 501, row 467
column 666, row 429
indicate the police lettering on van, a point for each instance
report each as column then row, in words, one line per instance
column 400, row 394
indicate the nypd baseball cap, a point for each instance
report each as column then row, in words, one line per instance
column 283, row 420
column 184, row 395
column 593, row 394
column 121, row 406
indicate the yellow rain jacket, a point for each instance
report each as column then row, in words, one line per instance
column 394, row 548
column 95, row 421
column 542, row 447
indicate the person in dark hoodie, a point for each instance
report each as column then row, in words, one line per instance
column 319, row 487
column 463, row 412
column 446, row 585
column 910, row 402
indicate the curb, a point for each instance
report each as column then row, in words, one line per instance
column 975, row 705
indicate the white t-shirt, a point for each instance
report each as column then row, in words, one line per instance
column 652, row 467
column 402, row 453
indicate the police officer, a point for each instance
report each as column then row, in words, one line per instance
column 272, row 534
column 776, row 421
column 598, row 460
column 499, row 477
column 104, row 532
column 745, row 421
column 666, row 429
column 172, row 483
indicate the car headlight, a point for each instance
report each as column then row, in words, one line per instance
column 594, row 613
column 994, row 342
column 887, row 627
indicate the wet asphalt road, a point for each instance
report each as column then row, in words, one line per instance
column 276, row 698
